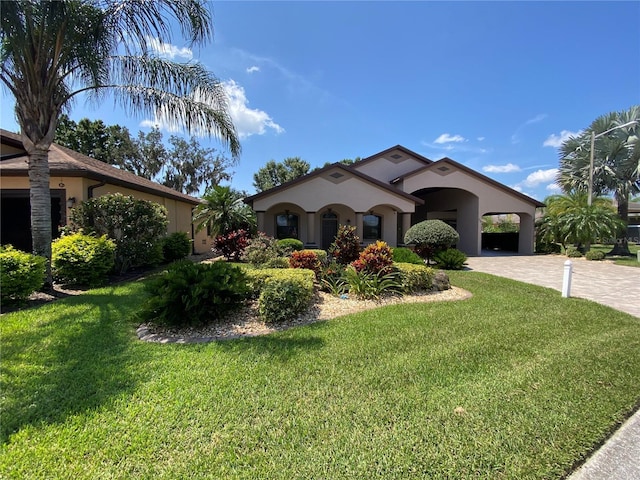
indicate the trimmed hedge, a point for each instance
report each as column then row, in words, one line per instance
column 595, row 255
column 82, row 259
column 406, row 255
column 257, row 278
column 290, row 244
column 21, row 274
column 415, row 278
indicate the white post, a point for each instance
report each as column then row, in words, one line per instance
column 566, row 279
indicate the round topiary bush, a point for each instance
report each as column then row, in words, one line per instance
column 290, row 245
column 82, row 259
column 21, row 274
column 431, row 236
column 595, row 255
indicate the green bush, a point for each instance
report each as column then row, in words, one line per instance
column 573, row 252
column 136, row 226
column 176, row 246
column 450, row 259
column 290, row 245
column 333, row 279
column 431, row 236
column 82, row 259
column 277, row 262
column 548, row 247
column 261, row 249
column 194, row 293
column 21, row 274
column 282, row 297
column 257, row 278
column 346, row 246
column 406, row 255
column 415, row 278
column 595, row 255
column 371, row 286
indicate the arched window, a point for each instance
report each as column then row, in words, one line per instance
column 372, row 227
column 287, row 225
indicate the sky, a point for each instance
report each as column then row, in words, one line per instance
column 495, row 85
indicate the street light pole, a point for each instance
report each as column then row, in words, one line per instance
column 591, row 155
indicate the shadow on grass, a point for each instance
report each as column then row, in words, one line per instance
column 72, row 356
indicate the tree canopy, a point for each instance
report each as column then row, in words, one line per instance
column 275, row 173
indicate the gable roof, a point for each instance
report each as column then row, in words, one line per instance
column 408, row 152
column 321, row 171
column 484, row 178
column 66, row 162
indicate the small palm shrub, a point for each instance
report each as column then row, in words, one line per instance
column 450, row 259
column 261, row 249
column 176, row 246
column 232, row 244
column 431, row 236
column 376, row 258
column 21, row 274
column 406, row 255
column 305, row 259
column 290, row 245
column 415, row 278
column 346, row 246
column 283, row 298
column 194, row 293
column 82, row 259
column 573, row 252
column 595, row 255
column 332, row 279
column 370, row 286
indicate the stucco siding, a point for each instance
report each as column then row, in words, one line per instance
column 385, row 169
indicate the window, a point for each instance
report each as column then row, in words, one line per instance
column 372, row 227
column 287, row 225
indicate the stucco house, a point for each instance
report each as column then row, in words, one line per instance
column 75, row 178
column 386, row 193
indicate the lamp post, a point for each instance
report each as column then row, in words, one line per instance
column 593, row 144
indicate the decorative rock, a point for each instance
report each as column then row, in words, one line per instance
column 441, row 281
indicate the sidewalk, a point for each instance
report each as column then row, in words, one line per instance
column 602, row 282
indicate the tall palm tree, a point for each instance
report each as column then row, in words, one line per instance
column 53, row 51
column 223, row 211
column 616, row 162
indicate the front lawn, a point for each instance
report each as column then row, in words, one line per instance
column 515, row 382
column 626, row 261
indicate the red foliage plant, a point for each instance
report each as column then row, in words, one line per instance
column 232, row 244
column 377, row 258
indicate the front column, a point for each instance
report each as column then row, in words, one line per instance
column 406, row 224
column 311, row 229
column 359, row 225
column 260, row 217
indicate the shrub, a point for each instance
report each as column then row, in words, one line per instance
column 305, row 259
column 415, row 278
column 21, row 274
column 595, row 255
column 548, row 247
column 376, row 258
column 277, row 262
column 366, row 285
column 232, row 244
column 136, row 227
column 431, row 236
column 573, row 252
column 283, row 298
column 346, row 247
column 261, row 249
column 406, row 255
column 321, row 254
column 194, row 293
column 82, row 259
column 450, row 259
column 290, row 245
column 257, row 278
column 176, row 246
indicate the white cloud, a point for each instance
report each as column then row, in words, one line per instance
column 540, row 176
column 515, row 138
column 555, row 141
column 508, row 168
column 480, row 139
column 253, row 69
column 446, row 138
column 168, row 50
column 168, row 126
column 248, row 121
column 554, row 187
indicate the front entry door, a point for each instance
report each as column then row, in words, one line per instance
column 329, row 229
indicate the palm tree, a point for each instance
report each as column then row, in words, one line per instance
column 223, row 211
column 616, row 162
column 53, row 51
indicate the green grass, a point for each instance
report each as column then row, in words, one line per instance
column 541, row 379
column 625, row 261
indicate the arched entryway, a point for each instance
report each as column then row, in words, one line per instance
column 329, row 228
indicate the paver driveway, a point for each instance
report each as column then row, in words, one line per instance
column 603, row 282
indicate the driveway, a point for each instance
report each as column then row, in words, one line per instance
column 603, row 282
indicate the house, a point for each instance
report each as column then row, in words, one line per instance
column 386, row 193
column 75, row 178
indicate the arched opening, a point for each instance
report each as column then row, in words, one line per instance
column 329, row 228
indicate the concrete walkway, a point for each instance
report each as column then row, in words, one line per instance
column 602, row 282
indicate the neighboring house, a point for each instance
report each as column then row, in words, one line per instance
column 75, row 178
column 383, row 195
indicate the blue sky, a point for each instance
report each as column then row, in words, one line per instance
column 493, row 85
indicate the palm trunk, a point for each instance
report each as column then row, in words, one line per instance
column 621, row 248
column 40, row 197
